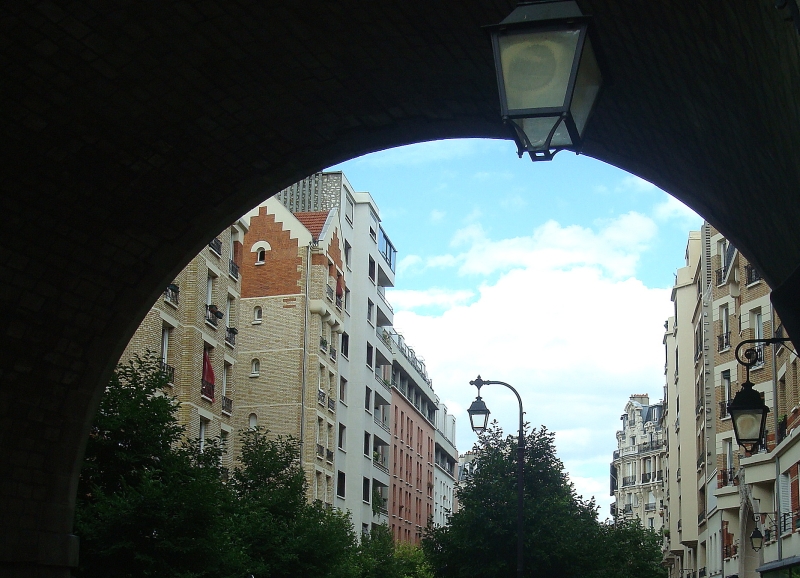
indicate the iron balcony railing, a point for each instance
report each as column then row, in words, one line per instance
column 329, row 292
column 723, row 409
column 233, row 269
column 216, row 245
column 729, row 477
column 628, row 481
column 628, row 509
column 652, row 446
column 759, row 347
column 382, row 423
column 320, row 451
column 646, row 477
column 329, row 456
column 724, row 341
column 168, row 370
column 230, row 335
column 384, row 382
column 211, row 315
column 323, row 344
column 700, row 461
column 332, row 352
column 321, row 397
column 207, row 390
column 730, row 550
column 650, row 507
column 172, row 294
column 227, row 405
column 719, row 274
column 701, row 517
column 331, row 404
column 339, row 302
column 382, row 293
column 380, row 463
column 751, row 274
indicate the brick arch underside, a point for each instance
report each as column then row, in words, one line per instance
column 132, row 136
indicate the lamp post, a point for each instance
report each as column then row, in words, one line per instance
column 747, row 410
column 547, row 75
column 479, row 417
column 757, row 540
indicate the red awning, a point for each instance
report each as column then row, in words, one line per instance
column 340, row 286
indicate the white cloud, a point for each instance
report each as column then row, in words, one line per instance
column 672, row 208
column 637, row 184
column 513, row 202
column 424, row 153
column 408, row 263
column 565, row 321
column 437, row 215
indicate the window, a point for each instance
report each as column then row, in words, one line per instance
column 345, row 344
column 255, row 367
column 369, row 355
column 365, row 493
column 343, row 390
column 340, row 483
column 226, row 376
column 253, row 421
column 348, row 253
column 257, row 315
column 347, row 299
column 348, row 210
column 370, row 309
column 210, row 289
column 368, row 399
column 367, row 444
column 726, row 385
column 261, row 256
column 202, row 434
column 371, row 270
column 342, row 436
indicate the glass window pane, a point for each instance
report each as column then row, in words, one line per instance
column 536, row 67
column 587, row 85
column 537, row 130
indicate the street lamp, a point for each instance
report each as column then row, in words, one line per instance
column 747, row 410
column 757, row 540
column 547, row 76
column 479, row 416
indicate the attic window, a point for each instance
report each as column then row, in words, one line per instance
column 261, row 256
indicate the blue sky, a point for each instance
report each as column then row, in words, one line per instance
column 553, row 277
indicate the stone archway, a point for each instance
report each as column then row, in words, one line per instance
column 133, row 130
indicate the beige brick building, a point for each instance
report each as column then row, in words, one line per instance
column 290, row 321
column 196, row 320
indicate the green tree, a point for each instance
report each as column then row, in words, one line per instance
column 481, row 539
column 628, row 550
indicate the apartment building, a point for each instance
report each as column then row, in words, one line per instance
column 446, row 466
column 365, row 360
column 413, row 443
column 637, row 472
column 721, row 300
column 290, row 320
column 193, row 327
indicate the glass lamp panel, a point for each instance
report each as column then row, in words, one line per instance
column 537, row 130
column 536, row 67
column 748, row 424
column 587, row 85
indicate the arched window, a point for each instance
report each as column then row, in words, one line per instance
column 261, row 256
column 255, row 367
column 257, row 314
column 253, row 421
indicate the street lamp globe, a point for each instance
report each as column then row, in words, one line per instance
column 749, row 416
column 478, row 415
column 757, row 540
column 547, row 76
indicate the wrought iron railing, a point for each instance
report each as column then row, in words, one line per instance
column 339, row 302
column 323, row 344
column 230, row 335
column 321, row 396
column 332, row 352
column 207, row 390
column 227, row 405
column 723, row 409
column 729, row 477
column 719, row 275
column 329, row 456
column 211, row 315
column 628, row 481
column 331, row 404
column 329, row 292
column 730, row 550
column 233, row 269
column 646, row 477
column 751, row 274
column 216, row 245
column 724, row 341
column 168, row 370
column 320, row 451
column 172, row 294
column 650, row 507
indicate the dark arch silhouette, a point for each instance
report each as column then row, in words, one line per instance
column 133, row 131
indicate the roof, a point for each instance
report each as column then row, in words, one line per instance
column 313, row 221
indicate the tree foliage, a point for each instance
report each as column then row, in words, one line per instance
column 562, row 537
column 151, row 503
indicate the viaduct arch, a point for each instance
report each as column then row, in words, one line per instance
column 132, row 130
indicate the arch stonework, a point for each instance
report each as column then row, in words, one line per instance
column 133, row 130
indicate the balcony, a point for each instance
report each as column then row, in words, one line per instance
column 730, row 550
column 628, row 509
column 724, row 341
column 380, row 462
column 329, row 456
column 213, row 315
column 719, row 275
column 321, row 397
column 384, row 382
column 646, row 477
column 216, row 246
column 172, row 294
column 650, row 507
column 729, row 477
column 382, row 293
column 230, row 335
column 227, row 405
column 168, row 370
column 652, row 446
column 331, row 404
column 323, row 344
column 723, row 409
column 339, row 302
column 628, row 481
column 207, row 390
column 329, row 293
column 751, row 274
column 382, row 423
column 759, row 349
column 233, row 270
column 332, row 352
column 320, row 451
column 701, row 517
